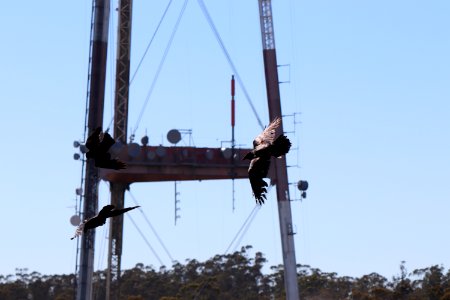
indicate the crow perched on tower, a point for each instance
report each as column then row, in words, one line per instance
column 98, row 144
column 264, row 147
column 107, row 211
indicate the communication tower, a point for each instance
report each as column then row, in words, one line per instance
column 158, row 163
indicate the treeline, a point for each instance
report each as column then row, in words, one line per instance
column 233, row 276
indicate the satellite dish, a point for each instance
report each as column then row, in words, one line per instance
column 133, row 150
column 144, row 140
column 83, row 149
column 161, row 151
column 226, row 152
column 75, row 220
column 76, row 156
column 76, row 144
column 174, row 136
column 302, row 185
column 209, row 154
column 79, row 191
column 116, row 148
column 151, row 155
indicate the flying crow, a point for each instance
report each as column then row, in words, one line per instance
column 107, row 211
column 98, row 150
column 264, row 147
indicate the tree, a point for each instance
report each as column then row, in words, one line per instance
column 432, row 282
column 401, row 285
column 372, row 286
column 236, row 275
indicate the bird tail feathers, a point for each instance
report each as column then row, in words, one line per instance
column 79, row 230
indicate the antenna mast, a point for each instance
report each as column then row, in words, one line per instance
column 120, row 135
column 233, row 142
column 281, row 177
column 99, row 46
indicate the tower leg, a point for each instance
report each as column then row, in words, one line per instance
column 84, row 288
column 115, row 243
column 95, row 119
column 281, row 176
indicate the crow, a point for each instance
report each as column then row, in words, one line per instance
column 264, row 147
column 107, row 211
column 98, row 150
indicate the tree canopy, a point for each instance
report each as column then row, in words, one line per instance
column 233, row 276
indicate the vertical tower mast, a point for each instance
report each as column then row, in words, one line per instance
column 120, row 134
column 99, row 46
column 233, row 142
column 281, row 178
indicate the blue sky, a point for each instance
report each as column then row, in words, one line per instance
column 370, row 80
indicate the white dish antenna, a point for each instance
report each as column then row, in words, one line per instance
column 75, row 220
column 133, row 150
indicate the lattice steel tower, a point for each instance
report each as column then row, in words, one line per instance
column 169, row 163
column 281, row 177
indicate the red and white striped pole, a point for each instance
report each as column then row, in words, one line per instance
column 232, row 133
column 232, row 111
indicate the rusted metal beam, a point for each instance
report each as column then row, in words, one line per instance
column 159, row 163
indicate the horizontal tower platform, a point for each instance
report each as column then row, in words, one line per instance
column 159, row 163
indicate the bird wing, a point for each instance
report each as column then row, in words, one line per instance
column 103, row 157
column 106, row 163
column 98, row 220
column 105, row 210
column 94, row 222
column 267, row 136
column 258, row 169
column 280, row 146
column 106, row 142
column 117, row 212
column 93, row 141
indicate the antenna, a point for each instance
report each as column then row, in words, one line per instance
column 232, row 139
column 177, row 201
column 174, row 136
column 295, row 121
column 75, row 220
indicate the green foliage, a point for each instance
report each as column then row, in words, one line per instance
column 233, row 276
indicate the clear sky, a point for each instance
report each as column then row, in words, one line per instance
column 370, row 82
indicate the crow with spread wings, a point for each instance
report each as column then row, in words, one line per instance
column 98, row 144
column 107, row 211
column 264, row 147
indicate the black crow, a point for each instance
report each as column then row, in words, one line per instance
column 107, row 211
column 98, row 150
column 264, row 147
